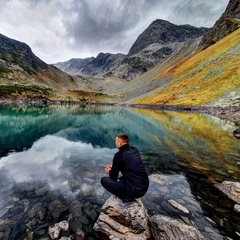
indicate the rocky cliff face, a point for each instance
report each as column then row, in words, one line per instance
column 97, row 67
column 228, row 22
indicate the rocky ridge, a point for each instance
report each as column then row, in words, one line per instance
column 74, row 65
column 226, row 24
column 159, row 41
column 94, row 66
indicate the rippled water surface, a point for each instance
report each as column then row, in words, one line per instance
column 63, row 149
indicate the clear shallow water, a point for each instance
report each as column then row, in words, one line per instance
column 63, row 147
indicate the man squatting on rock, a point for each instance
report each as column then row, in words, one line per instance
column 134, row 181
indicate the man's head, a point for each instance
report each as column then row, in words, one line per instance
column 121, row 139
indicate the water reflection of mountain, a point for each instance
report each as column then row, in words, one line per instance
column 20, row 127
column 200, row 142
column 164, row 138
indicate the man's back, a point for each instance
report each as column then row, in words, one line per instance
column 134, row 171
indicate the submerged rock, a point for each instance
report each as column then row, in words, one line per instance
column 178, row 206
column 163, row 227
column 58, row 230
column 123, row 222
column 75, row 209
column 57, row 208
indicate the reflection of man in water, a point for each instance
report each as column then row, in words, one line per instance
column 134, row 181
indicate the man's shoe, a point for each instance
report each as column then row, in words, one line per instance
column 121, row 203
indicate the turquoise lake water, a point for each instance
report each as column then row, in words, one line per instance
column 55, row 145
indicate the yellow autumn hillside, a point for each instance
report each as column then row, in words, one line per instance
column 210, row 77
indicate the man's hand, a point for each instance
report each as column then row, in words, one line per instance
column 108, row 168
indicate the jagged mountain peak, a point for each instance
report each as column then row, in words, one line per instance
column 163, row 32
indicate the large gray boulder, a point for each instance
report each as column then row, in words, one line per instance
column 123, row 222
column 163, row 227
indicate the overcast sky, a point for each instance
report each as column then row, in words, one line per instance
column 58, row 30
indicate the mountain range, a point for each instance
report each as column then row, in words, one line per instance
column 160, row 40
column 167, row 64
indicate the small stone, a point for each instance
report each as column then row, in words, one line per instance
column 40, row 191
column 209, row 230
column 87, row 189
column 100, row 192
column 89, row 210
column 79, row 235
column 75, row 224
column 237, row 208
column 54, row 231
column 186, row 220
column 75, row 209
column 56, row 208
column 178, row 206
column 64, row 225
column 159, row 179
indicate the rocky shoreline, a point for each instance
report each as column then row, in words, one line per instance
column 231, row 113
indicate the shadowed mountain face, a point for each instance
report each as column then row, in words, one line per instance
column 228, row 22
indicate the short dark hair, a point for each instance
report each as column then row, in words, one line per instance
column 123, row 137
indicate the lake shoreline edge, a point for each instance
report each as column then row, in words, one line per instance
column 228, row 113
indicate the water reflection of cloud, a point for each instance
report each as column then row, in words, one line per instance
column 45, row 160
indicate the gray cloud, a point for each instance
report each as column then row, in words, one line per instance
column 200, row 13
column 58, row 30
